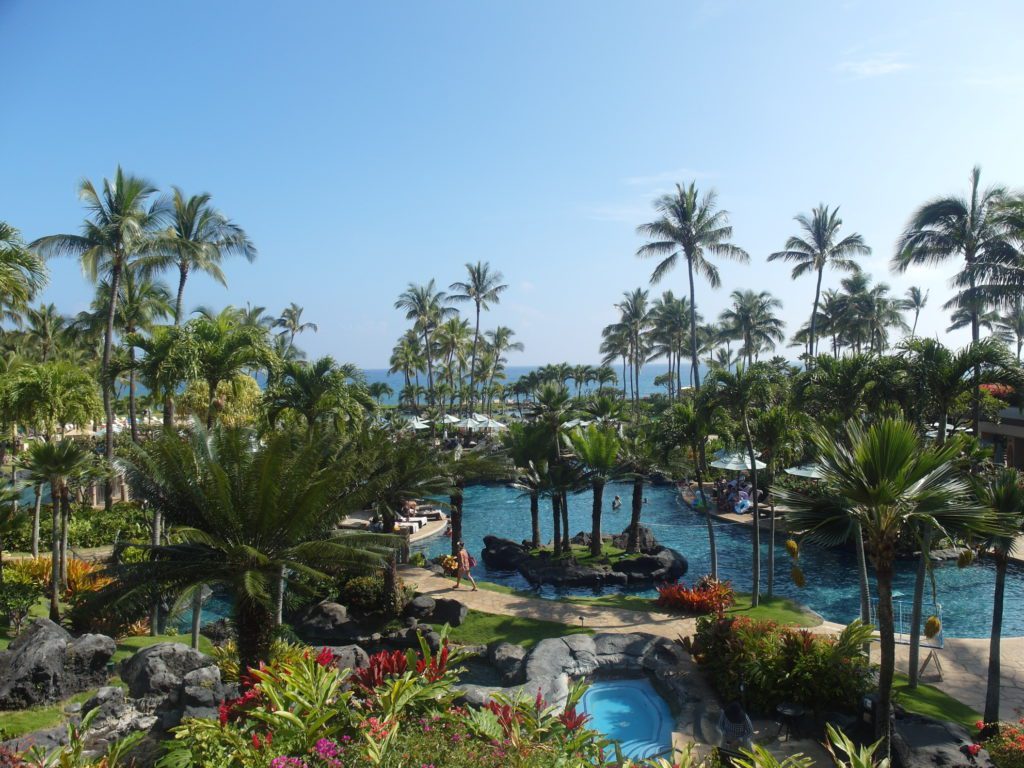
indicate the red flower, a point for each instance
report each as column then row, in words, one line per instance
column 571, row 720
column 974, row 749
column 325, row 658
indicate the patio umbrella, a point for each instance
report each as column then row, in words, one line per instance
column 469, row 423
column 813, row 471
column 721, row 453
column 418, row 424
column 449, row 419
column 736, row 462
column 490, row 423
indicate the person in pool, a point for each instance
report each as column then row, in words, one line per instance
column 617, row 502
column 465, row 563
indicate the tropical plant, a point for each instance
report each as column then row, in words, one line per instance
column 752, row 319
column 318, row 391
column 819, row 247
column 22, row 273
column 1010, row 325
column 689, row 226
column 597, row 449
column 482, row 287
column 425, row 306
column 915, row 301
column 291, row 325
column 638, row 461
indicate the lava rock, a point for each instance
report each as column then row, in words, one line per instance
column 327, row 622
column 663, row 564
column 646, row 540
column 349, row 656
column 920, row 742
column 503, row 554
column 621, row 652
column 420, row 607
column 44, row 664
column 447, row 611
column 159, row 670
column 573, row 655
column 508, row 659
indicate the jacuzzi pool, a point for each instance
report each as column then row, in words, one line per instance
column 632, row 713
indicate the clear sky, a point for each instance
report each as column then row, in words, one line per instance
column 367, row 145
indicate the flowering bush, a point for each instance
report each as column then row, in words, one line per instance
column 450, row 564
column 764, row 664
column 706, row 596
column 1006, row 744
column 83, row 576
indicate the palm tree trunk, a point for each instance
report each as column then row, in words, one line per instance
column 566, row 536
column 814, row 312
column 212, row 386
column 108, row 405
column 197, row 615
column 994, row 671
column 771, row 545
column 534, row 519
column 623, row 377
column 693, row 327
column 915, row 613
column 913, row 330
column 887, row 648
column 182, row 277
column 595, row 518
column 55, row 552
column 636, row 509
column 707, row 513
column 556, row 520
column 65, row 519
column 255, row 631
column 279, row 599
column 862, row 569
column 35, row 519
column 131, row 397
column 472, row 369
column 430, row 366
column 154, row 611
column 455, row 500
column 755, row 586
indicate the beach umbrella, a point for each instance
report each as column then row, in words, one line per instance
column 419, row 423
column 490, row 423
column 812, row 471
column 736, row 462
column 573, row 423
column 721, row 453
column 469, row 423
column 449, row 419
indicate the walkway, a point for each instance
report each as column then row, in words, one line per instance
column 964, row 660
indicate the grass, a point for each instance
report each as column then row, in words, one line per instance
column 931, row 702
column 483, row 628
column 127, row 646
column 582, row 555
column 27, row 720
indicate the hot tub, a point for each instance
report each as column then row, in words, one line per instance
column 632, row 713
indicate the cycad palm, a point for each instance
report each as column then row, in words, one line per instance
column 119, row 228
column 597, row 449
column 483, row 287
column 689, row 226
column 892, row 486
column 247, row 512
column 817, row 248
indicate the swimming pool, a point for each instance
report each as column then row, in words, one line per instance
column 632, row 713
column 832, row 591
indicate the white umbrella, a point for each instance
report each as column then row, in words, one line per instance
column 493, row 424
column 813, row 471
column 736, row 462
column 418, row 424
column 449, row 419
column 468, row 423
column 724, row 454
column 573, row 423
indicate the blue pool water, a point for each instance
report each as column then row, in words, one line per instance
column 965, row 593
column 632, row 713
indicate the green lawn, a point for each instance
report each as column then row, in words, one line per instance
column 126, row 646
column 484, row 628
column 931, row 702
column 27, row 720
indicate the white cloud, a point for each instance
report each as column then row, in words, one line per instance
column 875, row 65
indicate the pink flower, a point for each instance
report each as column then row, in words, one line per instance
column 974, row 749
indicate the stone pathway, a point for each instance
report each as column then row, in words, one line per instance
column 964, row 660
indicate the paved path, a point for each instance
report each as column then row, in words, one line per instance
column 964, row 661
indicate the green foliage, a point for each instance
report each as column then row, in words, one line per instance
column 846, row 754
column 18, row 593
column 89, row 527
column 764, row 664
column 759, row 757
column 237, row 402
column 1006, row 745
column 364, row 594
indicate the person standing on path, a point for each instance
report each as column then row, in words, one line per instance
column 465, row 563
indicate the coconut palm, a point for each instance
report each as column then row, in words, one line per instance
column 670, row 319
column 22, row 274
column 198, row 239
column 320, row 390
column 118, row 229
column 1003, row 496
column 483, row 287
column 45, row 330
column 885, row 480
column 499, row 343
column 615, row 345
column 968, row 311
column 1010, row 325
column 740, row 394
column 752, row 319
column 972, row 229
column 59, row 464
column 915, row 301
column 247, row 513
column 528, row 448
column 597, row 450
column 818, row 247
column 689, row 226
column 378, row 390
column 638, row 461
column 291, row 325
column 425, row 306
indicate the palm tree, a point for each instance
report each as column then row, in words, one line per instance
column 249, row 512
column 916, row 301
column 46, row 396
column 291, row 325
column 689, row 226
column 638, row 462
column 378, row 390
column 22, row 273
column 1010, row 325
column 425, row 306
column 740, row 393
column 318, row 390
column 970, row 310
column 635, row 321
column 615, row 345
column 499, row 342
column 197, row 240
column 597, row 449
column 819, row 247
column 224, row 349
column 552, row 408
column 483, row 288
column 528, row 448
column 118, row 230
column 1003, row 496
column 59, row 464
column 884, row 480
column 752, row 319
column 46, row 329
column 972, row 229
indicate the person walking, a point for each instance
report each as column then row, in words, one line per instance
column 466, row 561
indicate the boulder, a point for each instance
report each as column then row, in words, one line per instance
column 554, row 691
column 420, row 607
column 508, row 659
column 327, row 622
column 503, row 554
column 159, row 670
column 349, row 656
column 920, row 742
column 44, row 664
column 664, row 654
column 447, row 611
column 621, row 652
column 117, row 717
column 573, row 655
column 645, row 539
column 662, row 564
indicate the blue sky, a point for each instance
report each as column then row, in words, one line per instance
column 366, row 146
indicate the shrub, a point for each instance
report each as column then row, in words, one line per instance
column 364, row 594
column 764, row 664
column 706, row 596
column 418, row 559
column 126, row 521
column 83, row 577
column 18, row 593
column 1006, row 744
column 281, row 652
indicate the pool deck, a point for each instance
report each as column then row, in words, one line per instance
column 964, row 660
